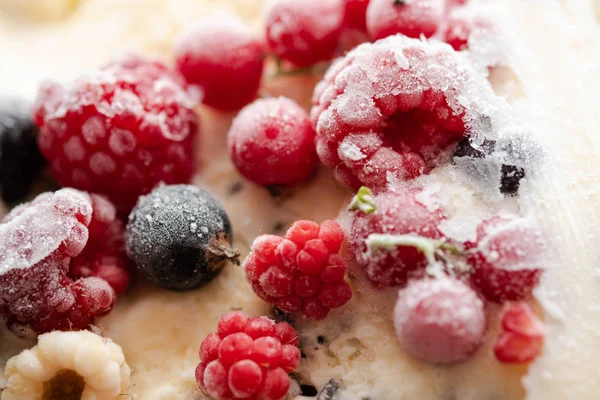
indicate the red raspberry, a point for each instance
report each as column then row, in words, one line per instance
column 355, row 14
column 301, row 272
column 119, row 131
column 507, row 258
column 104, row 253
column 440, row 320
column 271, row 142
column 461, row 23
column 304, row 32
column 522, row 337
column 411, row 18
column 39, row 239
column 397, row 213
column 248, row 358
column 389, row 107
column 224, row 58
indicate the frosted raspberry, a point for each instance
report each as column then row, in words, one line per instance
column 440, row 320
column 224, row 58
column 396, row 213
column 508, row 258
column 248, row 358
column 301, row 273
column 522, row 337
column 412, row 18
column 460, row 24
column 271, row 142
column 39, row 240
column 355, row 14
column 388, row 109
column 119, row 131
column 304, row 32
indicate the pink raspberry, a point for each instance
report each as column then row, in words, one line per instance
column 248, row 358
column 301, row 273
column 522, row 337
column 439, row 320
column 459, row 26
column 304, row 32
column 355, row 14
column 388, row 109
column 411, row 18
column 507, row 258
column 271, row 142
column 119, row 131
column 224, row 58
column 396, row 213
column 40, row 239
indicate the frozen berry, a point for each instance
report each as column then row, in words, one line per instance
column 460, row 24
column 119, row 131
column 179, row 237
column 301, row 273
column 39, row 239
column 507, row 258
column 522, row 337
column 272, row 142
column 224, row 58
column 104, row 253
column 20, row 159
column 440, row 320
column 412, row 18
column 403, row 212
column 355, row 14
column 241, row 361
column 304, row 32
column 388, row 110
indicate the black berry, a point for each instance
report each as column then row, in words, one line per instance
column 179, row 237
column 20, row 159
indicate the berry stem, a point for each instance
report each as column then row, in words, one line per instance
column 220, row 250
column 363, row 201
column 427, row 246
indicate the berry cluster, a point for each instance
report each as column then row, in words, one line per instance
column 248, row 358
column 302, row 272
column 522, row 337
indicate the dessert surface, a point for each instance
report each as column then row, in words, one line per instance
column 555, row 116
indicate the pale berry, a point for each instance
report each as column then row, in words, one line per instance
column 411, row 18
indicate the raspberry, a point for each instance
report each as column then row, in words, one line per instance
column 301, row 273
column 522, row 337
column 224, row 58
column 119, row 131
column 271, row 142
column 507, row 258
column 397, row 213
column 440, row 320
column 411, row 18
column 40, row 239
column 459, row 26
column 388, row 110
column 248, row 358
column 355, row 14
column 304, row 32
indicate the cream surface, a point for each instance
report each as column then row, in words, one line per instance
column 552, row 53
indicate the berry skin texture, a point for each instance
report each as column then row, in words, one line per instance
column 304, row 32
column 397, row 213
column 179, row 237
column 507, row 258
column 355, row 14
column 410, row 18
column 39, row 240
column 440, row 321
column 119, row 131
column 272, row 142
column 381, row 116
column 20, row 158
column 248, row 358
column 225, row 59
column 523, row 335
column 68, row 365
column 302, row 272
column 459, row 26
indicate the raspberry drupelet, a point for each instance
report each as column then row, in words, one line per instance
column 119, row 130
column 40, row 240
column 389, row 109
column 302, row 272
column 304, row 32
column 410, row 18
column 222, row 56
column 248, row 358
column 522, row 335
column 272, row 142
